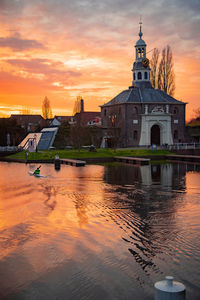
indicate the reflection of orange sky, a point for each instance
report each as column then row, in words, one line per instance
column 75, row 215
column 44, row 209
column 192, row 182
column 191, row 206
column 68, row 58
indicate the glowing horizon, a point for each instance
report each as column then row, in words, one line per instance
column 63, row 50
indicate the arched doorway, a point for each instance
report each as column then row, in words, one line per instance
column 155, row 135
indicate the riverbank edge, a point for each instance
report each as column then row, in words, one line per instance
column 90, row 160
column 99, row 160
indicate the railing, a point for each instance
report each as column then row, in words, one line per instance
column 185, row 146
column 25, row 146
column 9, row 148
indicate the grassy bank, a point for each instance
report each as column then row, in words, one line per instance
column 86, row 154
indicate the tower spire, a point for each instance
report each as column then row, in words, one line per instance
column 140, row 33
column 141, row 69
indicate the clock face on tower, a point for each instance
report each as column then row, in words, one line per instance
column 145, row 62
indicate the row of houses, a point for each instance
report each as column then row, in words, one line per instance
column 33, row 123
column 18, row 129
column 35, row 132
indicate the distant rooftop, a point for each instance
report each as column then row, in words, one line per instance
column 27, row 118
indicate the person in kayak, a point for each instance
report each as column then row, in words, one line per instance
column 37, row 171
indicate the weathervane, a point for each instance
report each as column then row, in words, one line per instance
column 140, row 33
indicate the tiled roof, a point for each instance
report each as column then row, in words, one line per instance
column 27, row 118
column 87, row 116
column 62, row 118
column 142, row 95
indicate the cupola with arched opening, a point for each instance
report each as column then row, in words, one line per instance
column 141, row 70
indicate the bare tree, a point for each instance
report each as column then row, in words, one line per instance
column 197, row 113
column 114, row 125
column 46, row 109
column 154, row 67
column 196, row 116
column 77, row 105
column 11, row 127
column 78, row 133
column 166, row 77
column 62, row 138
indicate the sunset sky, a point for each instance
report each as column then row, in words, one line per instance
column 63, row 49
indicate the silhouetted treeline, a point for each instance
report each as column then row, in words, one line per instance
column 16, row 132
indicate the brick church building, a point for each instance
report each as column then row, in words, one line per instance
column 142, row 115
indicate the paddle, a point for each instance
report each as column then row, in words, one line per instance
column 37, row 169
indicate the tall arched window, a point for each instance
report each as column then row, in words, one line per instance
column 145, row 75
column 135, row 134
column 139, row 52
column 135, row 110
column 104, row 112
column 175, row 134
column 134, row 76
column 175, row 110
column 139, row 75
column 142, row 52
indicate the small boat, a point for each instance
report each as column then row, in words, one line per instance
column 36, row 174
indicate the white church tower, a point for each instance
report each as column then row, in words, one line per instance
column 141, row 70
column 144, row 116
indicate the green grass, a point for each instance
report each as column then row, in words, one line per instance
column 86, row 154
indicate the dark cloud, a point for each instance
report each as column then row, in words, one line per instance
column 43, row 66
column 8, row 7
column 16, row 43
column 98, row 24
column 193, row 5
column 79, row 18
column 53, row 71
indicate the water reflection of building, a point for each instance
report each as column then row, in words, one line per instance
column 146, row 184
column 162, row 174
column 168, row 175
column 144, row 204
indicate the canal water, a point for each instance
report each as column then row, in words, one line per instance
column 98, row 232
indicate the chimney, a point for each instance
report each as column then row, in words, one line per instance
column 82, row 105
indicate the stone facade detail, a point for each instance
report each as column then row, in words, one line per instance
column 164, row 123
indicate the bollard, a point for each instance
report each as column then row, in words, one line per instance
column 169, row 290
column 26, row 156
column 57, row 162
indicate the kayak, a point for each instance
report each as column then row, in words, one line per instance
column 35, row 174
